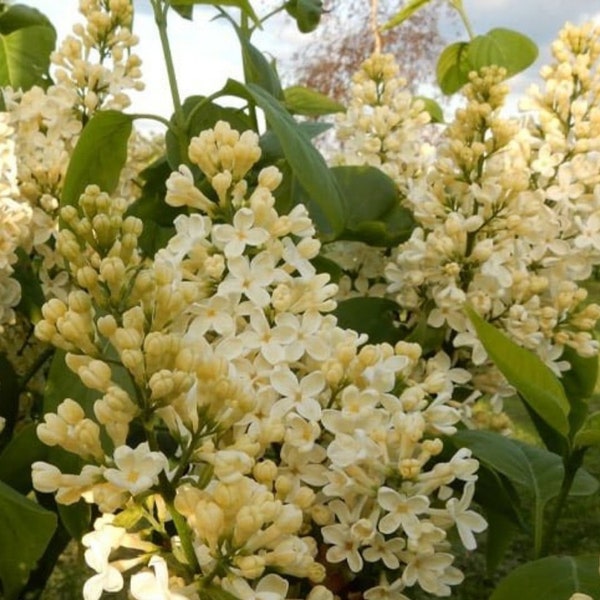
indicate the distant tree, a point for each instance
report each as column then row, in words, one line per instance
column 348, row 34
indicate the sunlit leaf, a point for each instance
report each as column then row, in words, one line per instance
column 305, row 101
column 433, row 108
column 99, row 155
column 536, row 383
column 502, row 47
column 409, row 9
column 27, row 39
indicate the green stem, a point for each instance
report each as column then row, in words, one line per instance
column 158, row 118
column 178, row 127
column 167, row 491
column 571, row 466
column 272, row 13
column 39, row 362
column 460, row 9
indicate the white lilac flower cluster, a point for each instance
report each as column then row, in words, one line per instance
column 15, row 219
column 386, row 127
column 507, row 215
column 93, row 69
column 241, row 438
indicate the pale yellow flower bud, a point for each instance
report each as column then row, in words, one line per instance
column 250, row 567
column 107, row 326
column 53, row 310
column 270, row 178
column 320, row 592
column 265, row 472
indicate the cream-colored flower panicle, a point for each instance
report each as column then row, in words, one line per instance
column 231, row 407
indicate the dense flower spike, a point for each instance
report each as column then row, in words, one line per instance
column 281, row 423
column 494, row 230
column 232, row 436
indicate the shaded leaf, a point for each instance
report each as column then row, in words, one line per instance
column 525, row 371
column 76, row 518
column 9, row 398
column 500, row 534
column 258, row 70
column 99, row 155
column 589, row 434
column 580, row 380
column 32, row 296
column 373, row 316
column 453, row 67
column 243, row 5
column 551, row 578
column 20, row 517
column 536, row 469
column 201, row 114
column 187, row 12
column 307, row 13
column 307, row 164
column 17, row 457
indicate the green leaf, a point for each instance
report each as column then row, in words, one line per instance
column 258, row 70
column 300, row 100
column 368, row 194
column 76, row 518
column 32, row 295
column 580, row 380
column 535, row 382
column 373, row 316
column 534, row 468
column 27, row 39
column 589, row 434
column 151, row 208
column 201, row 114
column 429, row 338
column 99, row 155
column 500, row 534
column 215, row 592
column 504, row 48
column 307, row 13
column 551, row 578
column 372, row 209
column 26, row 531
column 17, row 457
column 63, row 383
column 243, row 5
column 308, row 165
column 433, row 108
column 271, row 147
column 411, row 7
column 186, row 12
column 10, row 390
column 453, row 67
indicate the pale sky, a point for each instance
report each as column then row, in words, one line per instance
column 207, row 53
